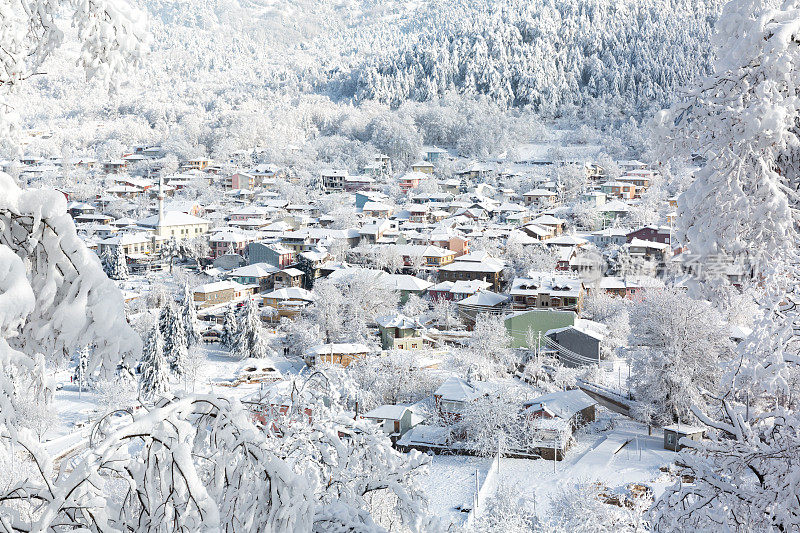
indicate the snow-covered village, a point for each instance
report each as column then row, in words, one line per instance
column 419, row 266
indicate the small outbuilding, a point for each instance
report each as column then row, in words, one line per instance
column 675, row 432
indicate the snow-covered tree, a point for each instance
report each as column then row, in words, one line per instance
column 445, row 314
column 744, row 202
column 154, row 368
column 523, row 259
column 113, row 36
column 54, row 296
column 359, row 480
column 679, row 347
column 344, row 307
column 493, row 423
column 194, row 463
column 301, row 334
column 251, row 340
column 506, row 511
column 613, row 312
column 576, row 500
column 81, row 375
column 171, row 324
column 230, row 329
column 414, row 306
column 489, row 345
column 392, row 379
column 326, row 311
column 114, row 264
column 191, row 324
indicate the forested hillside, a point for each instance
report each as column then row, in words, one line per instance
column 625, row 57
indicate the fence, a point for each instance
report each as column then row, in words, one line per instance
column 485, row 490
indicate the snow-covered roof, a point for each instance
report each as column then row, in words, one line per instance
column 459, row 390
column 616, row 206
column 256, row 270
column 539, row 192
column 639, row 243
column 469, row 287
column 337, row 348
column 404, row 282
column 684, row 429
column 484, row 298
column 429, row 435
column 387, row 412
column 566, row 240
column 127, row 238
column 172, row 218
column 398, row 320
column 290, row 293
column 218, row 286
column 548, row 220
column 546, row 282
column 563, row 404
column 442, row 286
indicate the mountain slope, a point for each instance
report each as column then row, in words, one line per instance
column 630, row 55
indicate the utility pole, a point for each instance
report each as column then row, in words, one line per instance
column 477, row 491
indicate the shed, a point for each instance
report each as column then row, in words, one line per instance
column 674, row 433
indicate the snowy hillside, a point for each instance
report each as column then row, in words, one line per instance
column 553, row 55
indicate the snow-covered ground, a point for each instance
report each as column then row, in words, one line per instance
column 77, row 410
column 450, row 485
column 613, row 457
column 616, row 457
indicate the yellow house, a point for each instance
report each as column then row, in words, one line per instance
column 287, row 302
column 422, row 166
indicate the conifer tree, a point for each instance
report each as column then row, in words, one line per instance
column 154, row 378
column 174, row 334
column 81, row 371
column 189, row 315
column 251, row 340
column 114, row 264
column 230, row 327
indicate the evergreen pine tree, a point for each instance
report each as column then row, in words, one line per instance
column 114, row 263
column 251, row 340
column 189, row 315
column 230, row 328
column 109, row 264
column 120, row 264
column 154, row 378
column 174, row 335
column 82, row 370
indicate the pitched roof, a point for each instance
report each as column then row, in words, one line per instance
column 484, row 298
column 459, row 390
column 172, row 218
column 563, row 404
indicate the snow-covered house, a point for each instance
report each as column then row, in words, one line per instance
column 287, row 302
column 259, row 274
column 481, row 302
column 580, row 344
column 394, row 420
column 573, row 406
column 474, row 266
column 545, row 290
column 341, row 354
column 218, row 292
column 454, row 394
column 399, row 332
